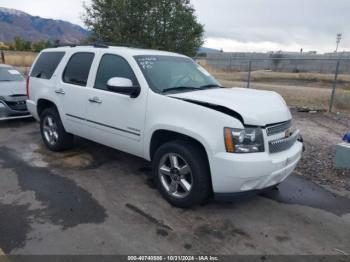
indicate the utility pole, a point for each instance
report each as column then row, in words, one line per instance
column 339, row 38
column 2, row 57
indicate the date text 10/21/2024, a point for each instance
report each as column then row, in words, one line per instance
column 173, row 258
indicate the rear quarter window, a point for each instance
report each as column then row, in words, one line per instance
column 46, row 64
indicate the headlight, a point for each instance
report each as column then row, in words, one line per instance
column 248, row 140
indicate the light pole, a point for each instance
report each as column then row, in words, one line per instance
column 339, row 37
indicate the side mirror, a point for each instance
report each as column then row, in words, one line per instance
column 123, row 86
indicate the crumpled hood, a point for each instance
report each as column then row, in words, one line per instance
column 12, row 88
column 257, row 107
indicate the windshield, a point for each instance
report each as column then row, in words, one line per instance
column 176, row 74
column 9, row 74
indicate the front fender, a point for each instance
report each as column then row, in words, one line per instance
column 200, row 123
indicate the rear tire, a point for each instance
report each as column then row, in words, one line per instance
column 181, row 173
column 52, row 131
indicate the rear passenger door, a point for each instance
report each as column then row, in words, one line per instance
column 72, row 91
column 117, row 119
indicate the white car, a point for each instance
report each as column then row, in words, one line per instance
column 202, row 139
column 12, row 94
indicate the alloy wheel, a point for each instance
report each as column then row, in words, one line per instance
column 50, row 130
column 175, row 175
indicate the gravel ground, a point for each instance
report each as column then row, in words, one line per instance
column 322, row 132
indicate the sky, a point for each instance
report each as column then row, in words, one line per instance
column 241, row 25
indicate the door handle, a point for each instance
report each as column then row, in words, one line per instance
column 95, row 100
column 60, row 91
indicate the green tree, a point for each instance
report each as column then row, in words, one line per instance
column 20, row 44
column 158, row 24
column 39, row 46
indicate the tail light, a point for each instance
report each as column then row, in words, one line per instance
column 27, row 87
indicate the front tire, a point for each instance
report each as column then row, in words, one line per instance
column 52, row 131
column 181, row 172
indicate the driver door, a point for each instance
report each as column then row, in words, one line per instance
column 117, row 120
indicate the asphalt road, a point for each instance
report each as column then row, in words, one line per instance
column 96, row 200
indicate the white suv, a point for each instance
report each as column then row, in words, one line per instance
column 201, row 138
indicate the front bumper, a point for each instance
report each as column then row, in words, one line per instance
column 7, row 113
column 244, row 173
column 241, row 195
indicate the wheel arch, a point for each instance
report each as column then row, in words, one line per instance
column 161, row 136
column 44, row 104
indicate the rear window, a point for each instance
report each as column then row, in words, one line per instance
column 46, row 64
column 78, row 69
column 9, row 74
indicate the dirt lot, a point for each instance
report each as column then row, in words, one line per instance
column 322, row 132
column 95, row 200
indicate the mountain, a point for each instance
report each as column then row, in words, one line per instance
column 34, row 28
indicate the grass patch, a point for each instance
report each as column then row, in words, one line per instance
column 301, row 96
column 342, row 100
column 304, row 79
column 298, row 89
column 20, row 59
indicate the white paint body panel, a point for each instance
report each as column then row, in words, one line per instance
column 255, row 106
column 134, row 121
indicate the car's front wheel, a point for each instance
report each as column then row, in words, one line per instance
column 181, row 172
column 52, row 131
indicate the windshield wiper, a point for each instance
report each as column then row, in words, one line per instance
column 211, row 86
column 6, row 80
column 179, row 88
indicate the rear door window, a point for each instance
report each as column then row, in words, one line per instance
column 78, row 69
column 46, row 64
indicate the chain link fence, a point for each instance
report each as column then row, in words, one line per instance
column 311, row 83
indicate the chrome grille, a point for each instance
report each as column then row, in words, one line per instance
column 279, row 128
column 283, row 144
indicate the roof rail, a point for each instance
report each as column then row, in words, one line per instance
column 64, row 45
column 102, row 45
column 95, row 45
column 130, row 45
